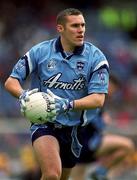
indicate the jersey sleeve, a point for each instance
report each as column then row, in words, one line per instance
column 99, row 75
column 24, row 66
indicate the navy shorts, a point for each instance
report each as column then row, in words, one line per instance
column 64, row 137
column 91, row 139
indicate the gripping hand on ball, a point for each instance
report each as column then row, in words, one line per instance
column 61, row 104
column 25, row 97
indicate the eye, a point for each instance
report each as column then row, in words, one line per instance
column 83, row 24
column 75, row 25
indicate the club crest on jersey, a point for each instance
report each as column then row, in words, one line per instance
column 101, row 75
column 80, row 65
column 51, row 64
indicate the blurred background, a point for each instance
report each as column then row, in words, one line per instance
column 111, row 25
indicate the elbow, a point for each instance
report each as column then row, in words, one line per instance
column 100, row 101
column 6, row 84
column 101, row 104
column 12, row 86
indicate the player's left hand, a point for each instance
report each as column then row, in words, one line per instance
column 61, row 104
column 25, row 97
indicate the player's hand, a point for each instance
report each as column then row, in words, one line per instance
column 25, row 97
column 61, row 104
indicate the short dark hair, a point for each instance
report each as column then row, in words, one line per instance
column 61, row 17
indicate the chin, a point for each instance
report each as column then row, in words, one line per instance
column 80, row 43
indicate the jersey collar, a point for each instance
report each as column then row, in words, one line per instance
column 58, row 46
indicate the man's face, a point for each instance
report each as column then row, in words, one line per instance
column 73, row 31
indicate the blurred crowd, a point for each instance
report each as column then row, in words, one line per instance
column 110, row 26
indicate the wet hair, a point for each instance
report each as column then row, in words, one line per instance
column 61, row 17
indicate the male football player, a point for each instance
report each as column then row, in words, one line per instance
column 75, row 74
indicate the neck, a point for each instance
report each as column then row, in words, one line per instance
column 67, row 47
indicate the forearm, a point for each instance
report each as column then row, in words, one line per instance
column 13, row 86
column 90, row 102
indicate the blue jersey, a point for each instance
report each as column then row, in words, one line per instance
column 69, row 76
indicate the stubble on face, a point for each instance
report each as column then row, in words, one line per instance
column 74, row 30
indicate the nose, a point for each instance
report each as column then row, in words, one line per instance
column 81, row 29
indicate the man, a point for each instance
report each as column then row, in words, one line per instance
column 75, row 74
column 106, row 149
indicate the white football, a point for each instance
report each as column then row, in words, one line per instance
column 37, row 108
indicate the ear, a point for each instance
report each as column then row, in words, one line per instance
column 60, row 28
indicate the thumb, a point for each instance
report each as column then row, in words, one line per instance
column 50, row 93
column 33, row 91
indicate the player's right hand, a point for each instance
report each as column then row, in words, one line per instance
column 61, row 104
column 25, row 97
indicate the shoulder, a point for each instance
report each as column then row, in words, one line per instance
column 43, row 45
column 92, row 48
column 96, row 56
column 41, row 49
column 94, row 52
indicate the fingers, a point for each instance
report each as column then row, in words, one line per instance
column 52, row 116
column 22, row 109
column 23, row 104
column 50, row 99
column 28, row 93
column 52, row 106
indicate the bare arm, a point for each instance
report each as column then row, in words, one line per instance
column 90, row 102
column 13, row 86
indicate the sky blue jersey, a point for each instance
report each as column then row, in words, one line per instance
column 70, row 76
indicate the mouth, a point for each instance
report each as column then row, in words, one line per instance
column 80, row 37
